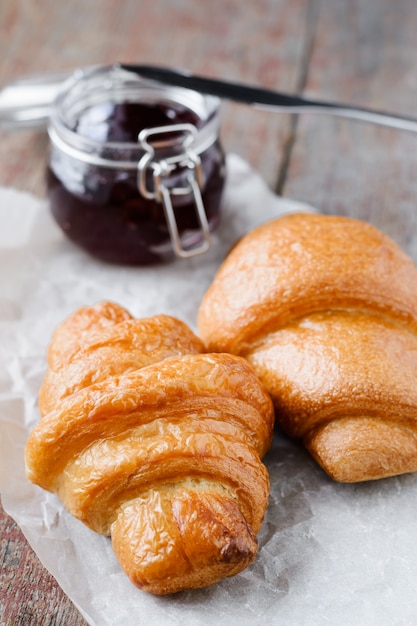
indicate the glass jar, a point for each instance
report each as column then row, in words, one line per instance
column 136, row 168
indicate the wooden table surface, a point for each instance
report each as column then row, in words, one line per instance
column 359, row 51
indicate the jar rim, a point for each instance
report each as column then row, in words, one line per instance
column 112, row 83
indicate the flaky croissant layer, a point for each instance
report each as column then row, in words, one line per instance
column 325, row 310
column 146, row 438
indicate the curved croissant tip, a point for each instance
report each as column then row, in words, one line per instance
column 175, row 540
column 358, row 449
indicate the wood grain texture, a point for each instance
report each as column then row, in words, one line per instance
column 29, row 595
column 364, row 53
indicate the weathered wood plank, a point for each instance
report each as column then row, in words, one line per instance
column 364, row 53
column 28, row 593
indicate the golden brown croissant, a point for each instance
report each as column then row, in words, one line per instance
column 325, row 309
column 147, row 439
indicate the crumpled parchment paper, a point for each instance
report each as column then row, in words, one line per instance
column 329, row 553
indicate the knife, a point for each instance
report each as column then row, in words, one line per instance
column 268, row 99
column 26, row 102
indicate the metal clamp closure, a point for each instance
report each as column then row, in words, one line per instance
column 184, row 166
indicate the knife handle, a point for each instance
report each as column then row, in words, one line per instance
column 27, row 102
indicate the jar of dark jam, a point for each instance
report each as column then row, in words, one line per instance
column 136, row 168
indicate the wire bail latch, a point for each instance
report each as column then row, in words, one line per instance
column 179, row 174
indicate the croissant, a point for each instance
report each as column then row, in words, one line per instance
column 325, row 310
column 146, row 438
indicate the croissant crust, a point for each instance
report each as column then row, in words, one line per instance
column 325, row 310
column 146, row 438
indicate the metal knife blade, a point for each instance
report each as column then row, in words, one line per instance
column 269, row 99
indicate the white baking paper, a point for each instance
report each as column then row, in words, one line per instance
column 330, row 554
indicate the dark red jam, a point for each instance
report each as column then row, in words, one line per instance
column 100, row 208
